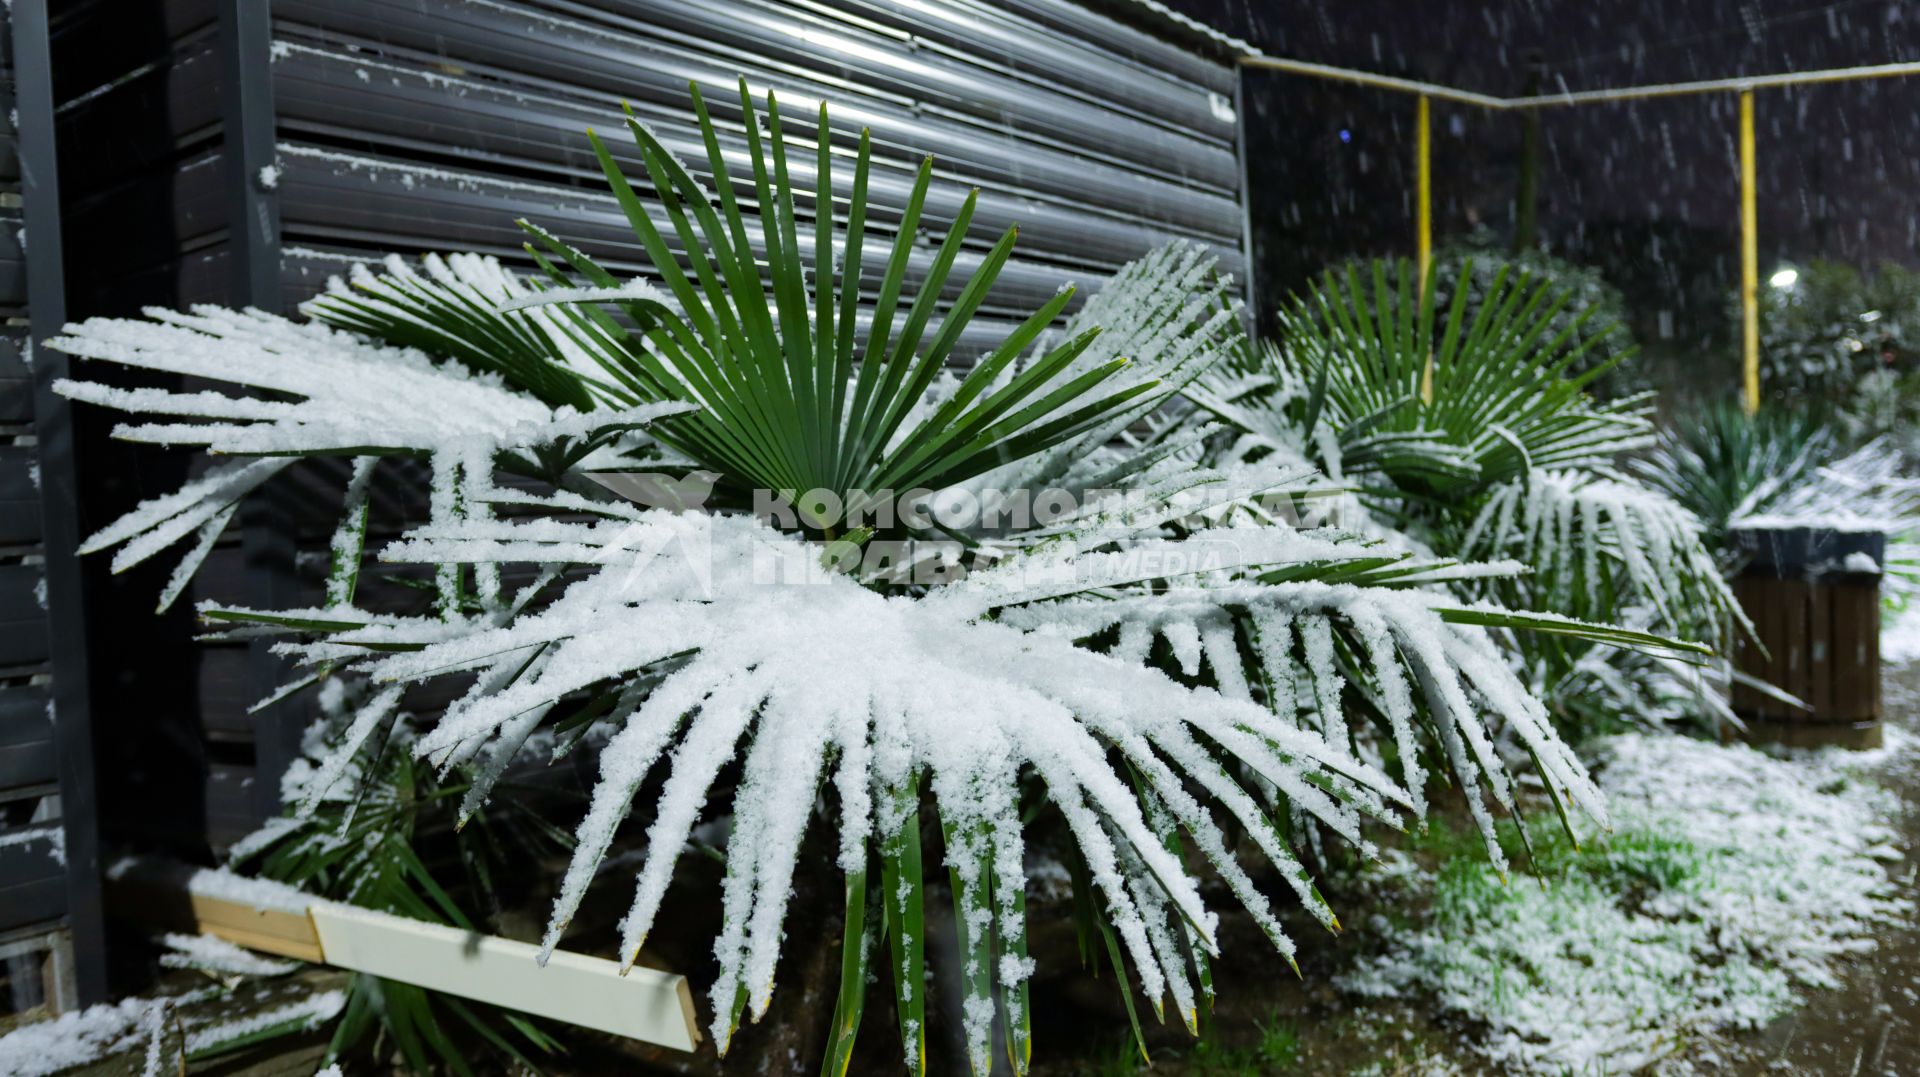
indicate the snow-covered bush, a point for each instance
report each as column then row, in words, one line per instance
column 940, row 689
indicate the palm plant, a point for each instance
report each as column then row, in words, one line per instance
column 1476, row 261
column 1731, row 468
column 1471, row 430
column 1722, row 463
column 917, row 710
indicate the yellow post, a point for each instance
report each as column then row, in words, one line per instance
column 1423, row 213
column 1423, row 185
column 1749, row 257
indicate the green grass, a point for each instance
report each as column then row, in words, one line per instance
column 1277, row 1047
column 1631, row 860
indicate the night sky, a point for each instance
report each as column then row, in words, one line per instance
column 1648, row 191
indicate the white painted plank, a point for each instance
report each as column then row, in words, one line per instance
column 656, row 1007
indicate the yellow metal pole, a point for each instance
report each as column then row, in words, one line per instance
column 1423, row 185
column 1749, row 257
column 1423, row 213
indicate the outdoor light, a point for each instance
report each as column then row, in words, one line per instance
column 1784, row 278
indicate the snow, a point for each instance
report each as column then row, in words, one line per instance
column 637, row 288
column 1900, row 639
column 349, row 396
column 137, row 1024
column 309, row 1013
column 1733, row 880
column 1865, row 491
column 1860, row 562
column 1186, row 22
column 54, row 836
column 75, row 1039
column 215, row 954
column 264, row 895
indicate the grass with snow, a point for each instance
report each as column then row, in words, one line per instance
column 1732, row 879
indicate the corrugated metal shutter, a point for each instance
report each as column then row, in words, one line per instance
column 420, row 125
column 417, row 126
column 50, row 932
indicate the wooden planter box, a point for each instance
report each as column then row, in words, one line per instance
column 1813, row 595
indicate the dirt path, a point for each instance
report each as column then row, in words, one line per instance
column 1871, row 1024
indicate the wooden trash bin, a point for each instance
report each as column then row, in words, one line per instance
column 1813, row 595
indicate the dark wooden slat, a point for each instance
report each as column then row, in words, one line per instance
column 1819, row 694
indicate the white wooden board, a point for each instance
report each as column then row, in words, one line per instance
column 645, row 1004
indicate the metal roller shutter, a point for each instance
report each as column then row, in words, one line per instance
column 410, row 126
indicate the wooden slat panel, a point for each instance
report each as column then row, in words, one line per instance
column 16, row 387
column 33, row 885
column 1791, row 597
column 1820, row 650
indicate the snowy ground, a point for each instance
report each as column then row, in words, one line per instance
column 1732, row 883
column 1900, row 641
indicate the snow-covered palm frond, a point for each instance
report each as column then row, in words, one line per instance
column 469, row 308
column 1778, row 469
column 1172, row 315
column 1471, row 430
column 1866, row 489
column 349, row 397
column 1722, row 463
column 1324, row 654
column 1600, row 689
column 754, row 653
column 1598, row 543
column 331, row 394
